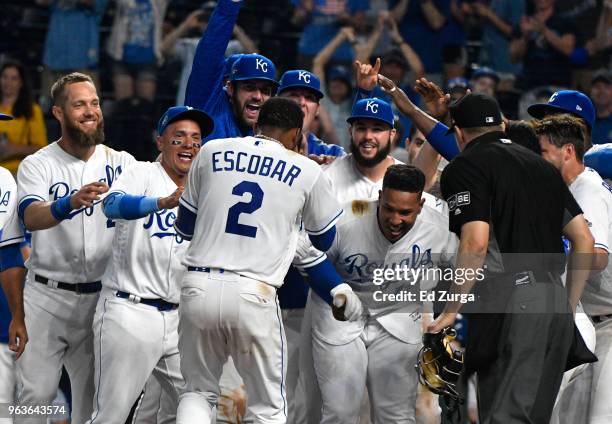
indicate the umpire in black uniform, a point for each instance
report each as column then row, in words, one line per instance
column 510, row 209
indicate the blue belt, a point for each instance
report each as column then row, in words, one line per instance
column 160, row 304
column 203, row 269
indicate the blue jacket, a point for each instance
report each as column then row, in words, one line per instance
column 205, row 86
column 316, row 146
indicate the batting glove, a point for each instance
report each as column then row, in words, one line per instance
column 346, row 304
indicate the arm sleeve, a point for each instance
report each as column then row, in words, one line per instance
column 188, row 203
column 11, row 257
column 444, row 144
column 206, row 79
column 321, row 210
column 33, row 183
column 466, row 190
column 10, row 228
column 596, row 213
column 127, row 206
column 36, row 127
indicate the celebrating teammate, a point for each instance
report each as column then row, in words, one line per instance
column 140, row 289
column 252, row 78
column 562, row 142
column 379, row 349
column 13, row 333
column 71, row 244
column 243, row 205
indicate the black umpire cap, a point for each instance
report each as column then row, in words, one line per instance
column 475, row 110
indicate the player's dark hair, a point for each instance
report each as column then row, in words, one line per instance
column 279, row 112
column 564, row 129
column 523, row 134
column 404, row 178
column 25, row 100
column 58, row 92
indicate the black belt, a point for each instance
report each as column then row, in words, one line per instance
column 85, row 288
column 160, row 304
column 203, row 269
column 600, row 318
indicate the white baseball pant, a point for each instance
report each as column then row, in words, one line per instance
column 8, row 379
column 223, row 314
column 376, row 360
column 59, row 330
column 133, row 340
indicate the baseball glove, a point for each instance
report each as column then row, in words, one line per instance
column 439, row 365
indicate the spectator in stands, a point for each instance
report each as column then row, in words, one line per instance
column 544, row 43
column 457, row 88
column 421, row 26
column 135, row 47
column 26, row 133
column 601, row 94
column 454, row 53
column 499, row 18
column 485, row 80
column 181, row 43
column 73, row 39
column 323, row 19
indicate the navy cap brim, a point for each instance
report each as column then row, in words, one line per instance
column 317, row 92
column 207, row 125
column 255, row 79
column 540, row 110
column 4, row 117
column 354, row 118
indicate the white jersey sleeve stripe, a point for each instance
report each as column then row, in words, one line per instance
column 31, row 196
column 313, row 262
column 188, row 205
column 603, row 246
column 328, row 226
column 11, row 240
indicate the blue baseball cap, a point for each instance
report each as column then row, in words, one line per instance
column 372, row 109
column 566, row 101
column 485, row 71
column 457, row 83
column 340, row 72
column 177, row 113
column 300, row 78
column 253, row 67
column 229, row 62
column 4, row 117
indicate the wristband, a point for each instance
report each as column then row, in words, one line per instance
column 60, row 209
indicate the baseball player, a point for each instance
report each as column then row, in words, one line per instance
column 379, row 349
column 305, row 88
column 562, row 142
column 138, row 308
column 234, row 107
column 251, row 195
column 59, row 201
column 13, row 333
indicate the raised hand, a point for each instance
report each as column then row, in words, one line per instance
column 436, row 102
column 366, row 75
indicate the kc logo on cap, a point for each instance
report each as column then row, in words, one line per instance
column 373, row 108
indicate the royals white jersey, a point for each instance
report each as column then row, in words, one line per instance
column 350, row 184
column 78, row 248
column 146, row 254
column 11, row 231
column 360, row 253
column 594, row 196
column 250, row 195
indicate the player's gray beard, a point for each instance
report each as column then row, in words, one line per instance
column 368, row 163
column 83, row 139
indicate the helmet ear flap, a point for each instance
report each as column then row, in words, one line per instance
column 439, row 365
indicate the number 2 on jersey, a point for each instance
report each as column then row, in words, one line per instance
column 233, row 226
